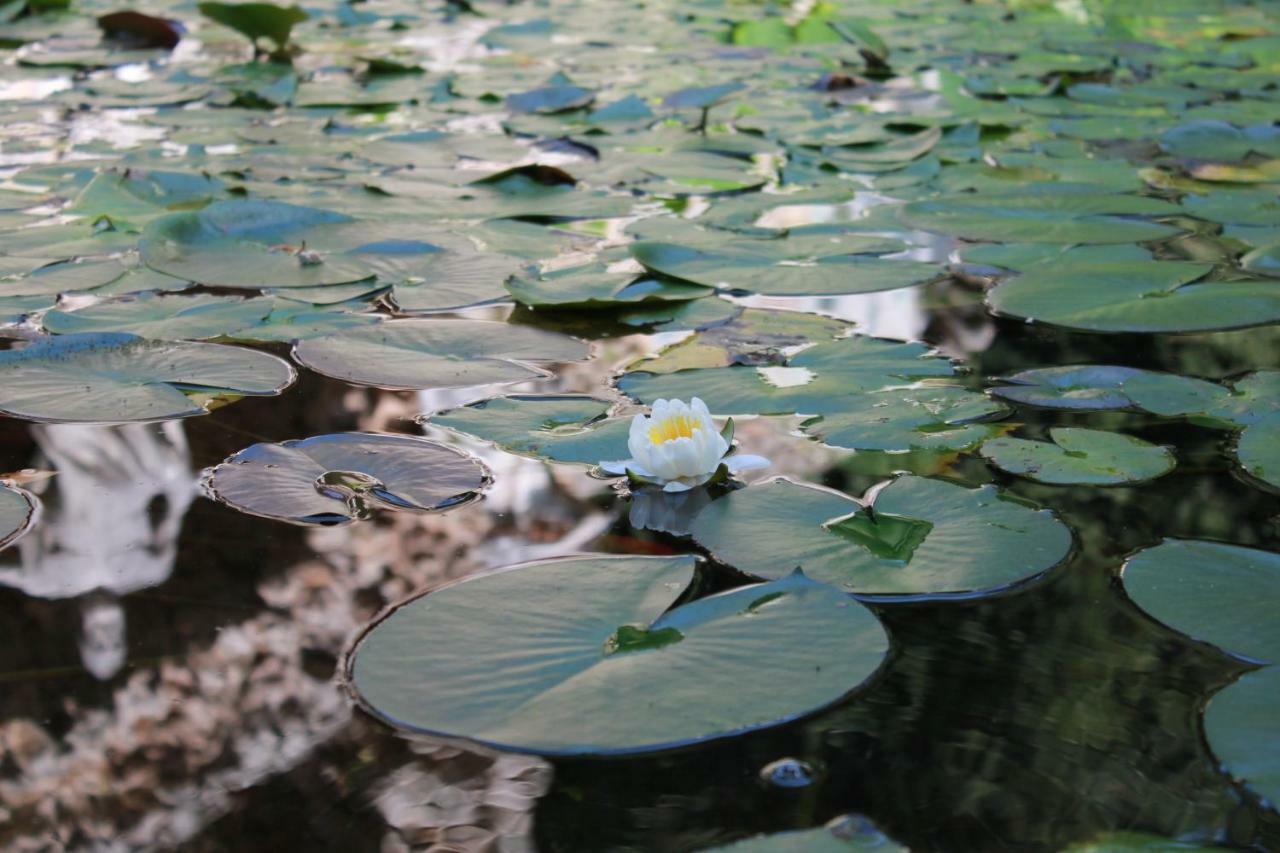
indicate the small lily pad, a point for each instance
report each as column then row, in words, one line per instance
column 936, row 537
column 593, row 285
column 1081, row 456
column 113, row 377
column 584, row 656
column 420, row 353
column 338, row 478
column 18, row 511
column 1258, row 450
column 1082, row 387
column 556, row 428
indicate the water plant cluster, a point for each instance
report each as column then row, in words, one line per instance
column 202, row 203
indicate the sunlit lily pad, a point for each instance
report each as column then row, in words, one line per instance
column 1081, row 456
column 18, row 510
column 249, row 244
column 413, row 354
column 1224, row 595
column 67, row 277
column 557, row 428
column 926, row 417
column 1062, row 218
column 119, row 378
column 175, row 317
column 765, row 273
column 921, row 536
column 334, row 479
column 1144, row 296
column 593, row 285
column 584, row 656
column 829, row 378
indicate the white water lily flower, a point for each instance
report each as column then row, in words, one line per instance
column 678, row 446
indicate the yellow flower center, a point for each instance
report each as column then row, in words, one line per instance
column 676, row 426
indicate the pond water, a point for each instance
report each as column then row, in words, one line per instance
column 1038, row 545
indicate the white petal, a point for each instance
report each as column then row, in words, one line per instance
column 676, row 486
column 745, row 462
column 638, row 438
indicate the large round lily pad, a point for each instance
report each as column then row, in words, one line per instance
column 584, row 656
column 172, row 317
column 919, row 536
column 1224, row 595
column 557, row 428
column 18, row 509
column 119, row 378
column 1081, row 456
column 421, row 353
column 334, row 479
column 1135, row 296
column 759, row 272
column 1063, row 218
column 249, row 244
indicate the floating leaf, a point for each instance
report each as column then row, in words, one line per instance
column 1086, row 387
column 249, row 244
column 1148, row 296
column 829, row 378
column 121, row 378
column 556, row 428
column 413, row 354
column 921, row 536
column 1222, row 594
column 1065, row 218
column 1258, row 450
column 1081, row 456
column 173, row 317
column 593, row 285
column 68, row 277
column 917, row 418
column 455, row 280
column 582, row 656
column 551, row 99
column 256, row 20
column 18, row 511
column 779, row 276
column 841, row 835
column 337, row 478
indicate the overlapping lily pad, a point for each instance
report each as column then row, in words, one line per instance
column 176, row 317
column 1222, row 594
column 1081, row 456
column 1064, row 217
column 587, row 656
column 338, row 478
column 926, row 417
column 595, row 285
column 18, row 511
column 557, row 428
column 414, row 354
column 918, row 536
column 115, row 377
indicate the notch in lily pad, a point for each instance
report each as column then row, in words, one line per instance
column 344, row 477
column 591, row 656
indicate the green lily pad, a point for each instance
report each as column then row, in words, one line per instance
column 1222, row 594
column 1081, row 456
column 421, row 353
column 1146, row 296
column 66, row 277
column 256, row 20
column 921, row 536
column 113, row 377
column 135, row 196
column 556, row 428
column 248, row 244
column 593, row 285
column 456, row 280
column 18, row 511
column 342, row 477
column 1220, row 142
column 1250, row 399
column 829, row 378
column 1082, row 387
column 174, row 317
column 1258, row 450
column 1064, row 218
column 926, row 417
column 774, row 276
column 584, row 656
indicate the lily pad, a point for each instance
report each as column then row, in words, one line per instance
column 1081, row 456
column 926, row 417
column 342, row 477
column 1083, row 387
column 175, row 317
column 1258, row 450
column 841, row 835
column 421, row 353
column 256, row 20
column 1222, row 594
column 829, row 378
column 18, row 511
column 113, row 377
column 584, row 656
column 556, row 428
column 774, row 276
column 248, row 244
column 920, row 536
column 1064, row 218
column 594, row 285
column 1141, row 296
